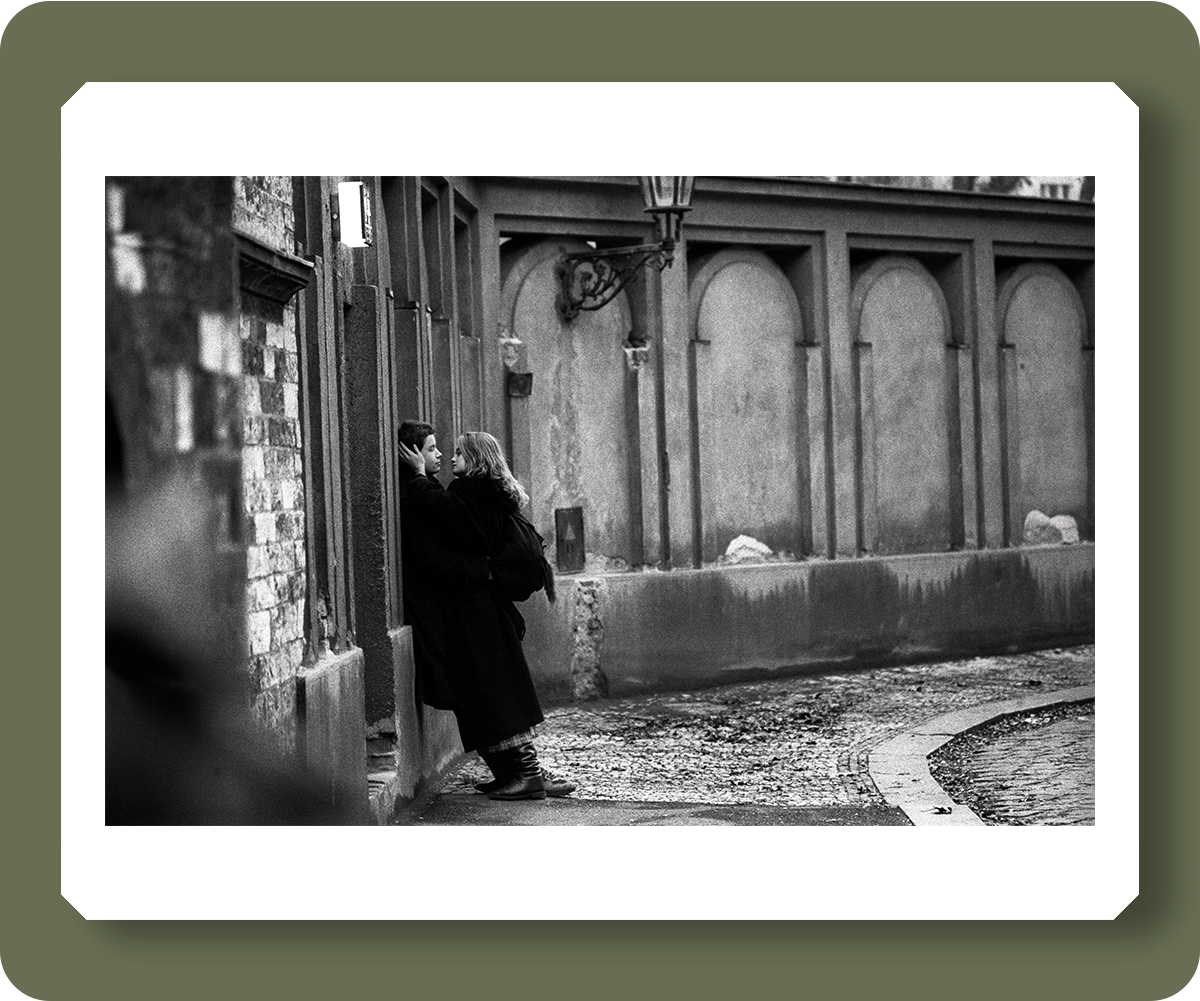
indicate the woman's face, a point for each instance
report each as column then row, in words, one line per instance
column 460, row 462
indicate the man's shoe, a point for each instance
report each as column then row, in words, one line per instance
column 522, row 787
column 555, row 786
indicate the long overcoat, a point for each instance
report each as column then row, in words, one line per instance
column 434, row 574
column 467, row 634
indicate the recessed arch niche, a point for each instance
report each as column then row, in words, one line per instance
column 1045, row 352
column 574, row 420
column 908, row 470
column 750, row 408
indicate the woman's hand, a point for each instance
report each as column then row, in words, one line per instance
column 411, row 458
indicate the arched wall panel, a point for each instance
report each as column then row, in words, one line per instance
column 907, row 396
column 748, row 377
column 1043, row 329
column 576, row 449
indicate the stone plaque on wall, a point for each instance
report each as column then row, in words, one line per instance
column 568, row 537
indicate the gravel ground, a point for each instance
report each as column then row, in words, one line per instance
column 799, row 741
column 1032, row 768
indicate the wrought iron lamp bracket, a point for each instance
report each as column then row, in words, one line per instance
column 590, row 279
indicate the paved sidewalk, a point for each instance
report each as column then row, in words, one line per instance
column 791, row 751
column 457, row 808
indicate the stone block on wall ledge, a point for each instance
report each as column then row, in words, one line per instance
column 745, row 549
column 1042, row 530
column 1067, row 526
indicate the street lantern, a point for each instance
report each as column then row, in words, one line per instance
column 589, row 279
column 667, row 198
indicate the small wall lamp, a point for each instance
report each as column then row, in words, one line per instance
column 352, row 214
column 588, row 279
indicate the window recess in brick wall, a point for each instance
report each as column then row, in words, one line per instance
column 329, row 610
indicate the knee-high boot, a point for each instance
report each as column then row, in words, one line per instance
column 526, row 782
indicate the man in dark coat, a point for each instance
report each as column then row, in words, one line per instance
column 466, row 635
column 433, row 571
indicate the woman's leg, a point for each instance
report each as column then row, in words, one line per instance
column 526, row 781
column 500, row 759
column 526, row 778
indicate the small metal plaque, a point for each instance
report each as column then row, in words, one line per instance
column 520, row 384
column 568, row 538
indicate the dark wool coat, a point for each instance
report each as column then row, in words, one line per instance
column 434, row 573
column 467, row 636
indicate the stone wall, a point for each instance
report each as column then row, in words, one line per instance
column 629, row 633
column 828, row 370
column 273, row 482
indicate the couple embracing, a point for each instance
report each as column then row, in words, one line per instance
column 458, row 598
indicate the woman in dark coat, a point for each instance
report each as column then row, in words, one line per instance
column 486, row 677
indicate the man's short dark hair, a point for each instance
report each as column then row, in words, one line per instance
column 414, row 433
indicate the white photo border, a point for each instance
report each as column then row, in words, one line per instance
column 671, row 872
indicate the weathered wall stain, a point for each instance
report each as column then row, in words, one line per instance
column 690, row 629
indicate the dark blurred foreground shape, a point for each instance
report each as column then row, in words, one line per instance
column 175, row 754
column 867, row 386
column 181, row 744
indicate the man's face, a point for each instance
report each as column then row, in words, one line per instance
column 433, row 457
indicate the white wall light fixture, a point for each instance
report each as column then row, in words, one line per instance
column 352, row 214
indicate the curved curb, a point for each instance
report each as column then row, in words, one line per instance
column 899, row 767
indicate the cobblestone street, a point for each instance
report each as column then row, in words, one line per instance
column 1035, row 768
column 795, row 742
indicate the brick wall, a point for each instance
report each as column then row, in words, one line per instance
column 262, row 207
column 273, row 486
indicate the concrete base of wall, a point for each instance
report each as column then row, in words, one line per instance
column 329, row 707
column 426, row 739
column 630, row 633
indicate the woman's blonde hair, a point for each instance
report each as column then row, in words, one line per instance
column 483, row 457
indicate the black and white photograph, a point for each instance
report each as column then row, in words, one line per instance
column 600, row 500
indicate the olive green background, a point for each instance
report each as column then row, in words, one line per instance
column 49, row 50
